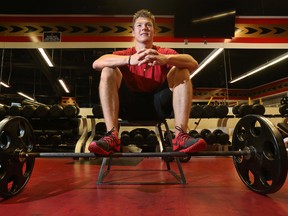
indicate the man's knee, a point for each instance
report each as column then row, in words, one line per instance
column 111, row 74
column 182, row 73
column 177, row 76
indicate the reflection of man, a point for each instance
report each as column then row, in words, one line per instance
column 68, row 101
column 145, row 82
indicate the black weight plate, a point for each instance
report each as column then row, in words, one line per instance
column 266, row 170
column 16, row 134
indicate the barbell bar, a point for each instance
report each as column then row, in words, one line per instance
column 258, row 150
column 246, row 152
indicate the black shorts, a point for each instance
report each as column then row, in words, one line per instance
column 136, row 106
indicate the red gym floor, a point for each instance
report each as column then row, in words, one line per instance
column 68, row 187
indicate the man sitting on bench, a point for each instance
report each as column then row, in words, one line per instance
column 145, row 82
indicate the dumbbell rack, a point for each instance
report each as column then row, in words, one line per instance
column 106, row 166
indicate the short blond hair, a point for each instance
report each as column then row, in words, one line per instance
column 144, row 13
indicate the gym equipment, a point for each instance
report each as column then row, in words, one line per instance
column 125, row 138
column 283, row 128
column 56, row 139
column 199, row 120
column 283, row 110
column 97, row 111
column 3, row 110
column 265, row 169
column 143, row 138
column 194, row 134
column 56, row 111
column 221, row 137
column 196, row 111
column 235, row 109
column 71, row 110
column 14, row 110
column 42, row 111
column 151, row 138
column 222, row 111
column 100, row 130
column 244, row 109
column 209, row 137
column 258, row 109
column 284, row 100
column 42, row 139
column 209, row 111
column 259, row 155
column 28, row 111
column 138, row 135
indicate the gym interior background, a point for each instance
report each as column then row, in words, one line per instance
column 73, row 34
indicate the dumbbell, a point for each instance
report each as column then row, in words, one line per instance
column 125, row 138
column 151, row 138
column 194, row 134
column 100, row 130
column 221, row 136
column 244, row 109
column 258, row 109
column 241, row 110
column 97, row 111
column 284, row 100
column 28, row 111
column 71, row 110
column 42, row 111
column 14, row 111
column 56, row 111
column 283, row 109
column 209, row 137
column 137, row 136
column 42, row 139
column 222, row 111
column 235, row 109
column 100, row 127
column 3, row 111
column 209, row 111
column 196, row 111
column 56, row 139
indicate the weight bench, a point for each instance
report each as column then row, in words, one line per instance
column 283, row 128
column 165, row 146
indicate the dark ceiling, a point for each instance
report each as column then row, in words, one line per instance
column 26, row 71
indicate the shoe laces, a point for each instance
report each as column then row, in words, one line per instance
column 182, row 135
column 109, row 133
column 109, row 136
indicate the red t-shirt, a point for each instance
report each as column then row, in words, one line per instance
column 144, row 78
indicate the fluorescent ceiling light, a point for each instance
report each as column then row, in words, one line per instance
column 4, row 84
column 214, row 16
column 207, row 60
column 46, row 58
column 26, row 96
column 261, row 67
column 64, row 85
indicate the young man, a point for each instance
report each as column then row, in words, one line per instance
column 145, row 82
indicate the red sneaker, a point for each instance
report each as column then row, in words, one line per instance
column 187, row 144
column 106, row 145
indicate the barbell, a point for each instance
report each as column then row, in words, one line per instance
column 258, row 150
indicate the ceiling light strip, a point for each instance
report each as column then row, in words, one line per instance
column 207, row 60
column 64, row 85
column 261, row 67
column 24, row 95
column 46, row 58
column 4, row 84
